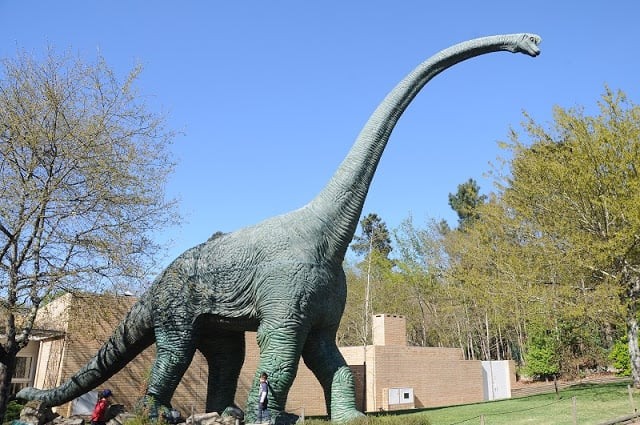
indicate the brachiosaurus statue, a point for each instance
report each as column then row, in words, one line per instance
column 282, row 278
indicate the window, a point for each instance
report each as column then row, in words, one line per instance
column 22, row 375
column 23, row 368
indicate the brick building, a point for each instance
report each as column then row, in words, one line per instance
column 389, row 374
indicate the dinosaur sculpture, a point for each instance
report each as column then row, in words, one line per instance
column 282, row 278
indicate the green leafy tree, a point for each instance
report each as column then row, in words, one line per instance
column 374, row 236
column 465, row 202
column 375, row 242
column 490, row 274
column 420, row 267
column 83, row 164
column 351, row 331
column 578, row 184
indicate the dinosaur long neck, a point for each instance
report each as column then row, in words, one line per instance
column 339, row 205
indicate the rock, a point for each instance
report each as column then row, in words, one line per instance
column 204, row 419
column 212, row 418
column 114, row 410
column 36, row 413
column 121, row 418
column 73, row 420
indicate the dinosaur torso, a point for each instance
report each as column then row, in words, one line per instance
column 244, row 277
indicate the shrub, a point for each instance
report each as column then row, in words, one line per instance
column 620, row 358
column 13, row 411
column 541, row 360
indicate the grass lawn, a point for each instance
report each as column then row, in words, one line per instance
column 592, row 404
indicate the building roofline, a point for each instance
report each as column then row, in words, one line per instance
column 41, row 334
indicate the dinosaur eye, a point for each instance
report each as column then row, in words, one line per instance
column 532, row 39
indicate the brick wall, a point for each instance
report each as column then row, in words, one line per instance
column 438, row 376
column 89, row 322
column 389, row 329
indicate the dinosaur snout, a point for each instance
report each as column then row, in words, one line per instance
column 530, row 44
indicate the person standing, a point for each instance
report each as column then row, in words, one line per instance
column 100, row 410
column 263, row 399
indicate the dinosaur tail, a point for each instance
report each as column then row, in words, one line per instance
column 131, row 337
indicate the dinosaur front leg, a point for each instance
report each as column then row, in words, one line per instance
column 322, row 357
column 280, row 349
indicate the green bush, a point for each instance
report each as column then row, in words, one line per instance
column 13, row 411
column 541, row 360
column 620, row 358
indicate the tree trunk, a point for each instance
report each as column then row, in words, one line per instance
column 500, row 345
column 7, row 368
column 487, row 353
column 634, row 350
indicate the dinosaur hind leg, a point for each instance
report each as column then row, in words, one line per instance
column 175, row 350
column 224, row 352
column 324, row 359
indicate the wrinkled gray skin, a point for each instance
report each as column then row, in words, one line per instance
column 282, row 278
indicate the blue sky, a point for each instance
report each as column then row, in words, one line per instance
column 270, row 95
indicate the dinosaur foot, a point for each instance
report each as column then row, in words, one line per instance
column 276, row 418
column 149, row 407
column 285, row 418
column 346, row 415
column 234, row 412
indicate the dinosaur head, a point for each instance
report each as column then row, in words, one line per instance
column 525, row 43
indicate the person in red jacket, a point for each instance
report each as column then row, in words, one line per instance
column 100, row 410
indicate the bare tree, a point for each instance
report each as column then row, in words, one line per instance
column 83, row 163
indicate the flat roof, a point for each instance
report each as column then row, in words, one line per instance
column 40, row 334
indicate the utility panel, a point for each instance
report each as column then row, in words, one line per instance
column 399, row 399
